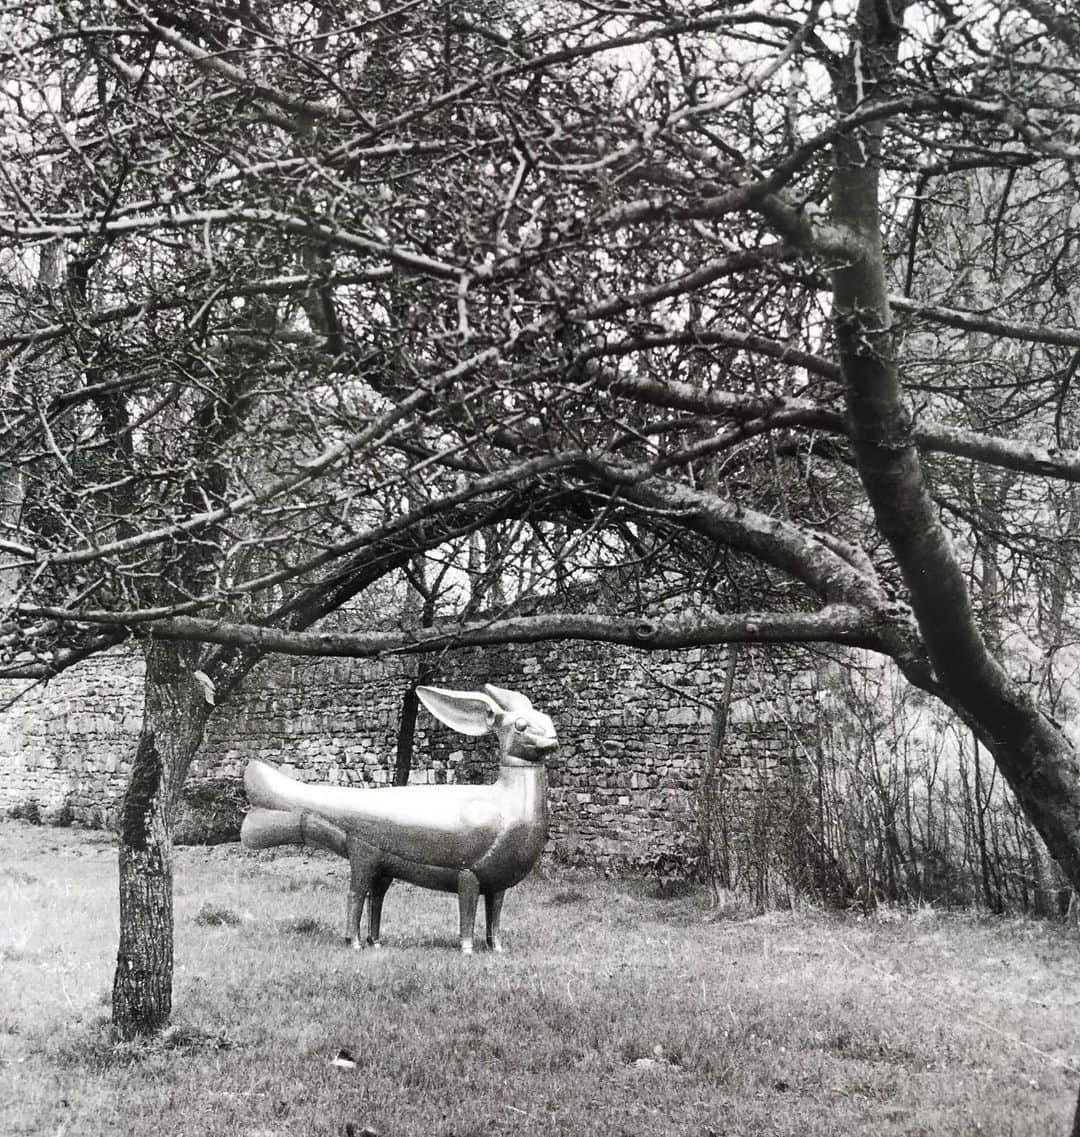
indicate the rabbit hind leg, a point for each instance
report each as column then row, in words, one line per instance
column 363, row 869
column 379, row 887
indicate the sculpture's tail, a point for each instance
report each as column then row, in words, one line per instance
column 263, row 828
column 267, row 786
column 282, row 815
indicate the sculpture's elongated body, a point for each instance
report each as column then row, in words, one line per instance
column 433, row 832
column 464, row 839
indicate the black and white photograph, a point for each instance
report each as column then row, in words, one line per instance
column 540, row 568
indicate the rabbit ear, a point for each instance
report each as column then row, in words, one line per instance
column 508, row 700
column 468, row 712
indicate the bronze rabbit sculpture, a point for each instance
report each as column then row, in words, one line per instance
column 472, row 840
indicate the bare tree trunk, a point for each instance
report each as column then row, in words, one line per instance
column 991, row 893
column 142, row 983
column 418, row 611
column 406, row 735
column 716, row 868
column 493, row 567
column 174, row 717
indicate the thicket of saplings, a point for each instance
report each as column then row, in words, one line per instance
column 888, row 803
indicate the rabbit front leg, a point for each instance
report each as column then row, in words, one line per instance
column 352, row 917
column 468, row 890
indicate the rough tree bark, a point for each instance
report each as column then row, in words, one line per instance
column 175, row 713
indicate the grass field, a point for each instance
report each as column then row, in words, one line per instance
column 614, row 1012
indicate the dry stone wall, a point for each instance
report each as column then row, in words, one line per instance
column 65, row 746
column 625, row 785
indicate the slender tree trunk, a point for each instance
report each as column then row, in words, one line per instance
column 991, row 896
column 406, row 735
column 175, row 713
column 418, row 611
column 717, row 870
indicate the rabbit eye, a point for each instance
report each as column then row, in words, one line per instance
column 521, row 725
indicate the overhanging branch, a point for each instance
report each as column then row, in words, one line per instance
column 833, row 623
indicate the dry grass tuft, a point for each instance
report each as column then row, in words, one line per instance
column 214, row 915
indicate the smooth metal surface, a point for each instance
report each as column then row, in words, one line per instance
column 472, row 840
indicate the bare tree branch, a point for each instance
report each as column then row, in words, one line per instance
column 837, row 623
